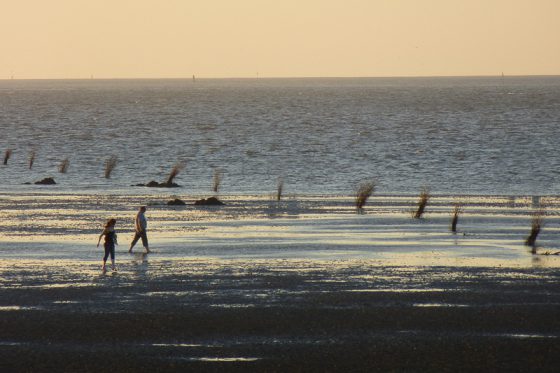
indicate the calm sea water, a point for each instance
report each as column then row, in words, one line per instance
column 455, row 135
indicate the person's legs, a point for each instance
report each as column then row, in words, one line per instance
column 137, row 236
column 112, row 252
column 145, row 241
column 107, row 252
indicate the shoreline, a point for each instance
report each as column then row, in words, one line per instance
column 304, row 285
column 491, row 230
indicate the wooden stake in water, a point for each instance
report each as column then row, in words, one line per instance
column 7, row 156
column 110, row 165
column 457, row 210
column 363, row 192
column 179, row 166
column 422, row 202
column 279, row 188
column 217, row 180
column 63, row 167
column 31, row 159
column 536, row 225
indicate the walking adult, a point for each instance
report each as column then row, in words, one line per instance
column 140, row 226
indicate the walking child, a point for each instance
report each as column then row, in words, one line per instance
column 109, row 244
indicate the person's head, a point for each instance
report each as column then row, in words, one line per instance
column 110, row 223
column 142, row 208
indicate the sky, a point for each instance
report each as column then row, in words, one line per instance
column 59, row 39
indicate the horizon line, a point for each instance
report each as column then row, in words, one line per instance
column 92, row 77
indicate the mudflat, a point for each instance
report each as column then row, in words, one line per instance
column 276, row 315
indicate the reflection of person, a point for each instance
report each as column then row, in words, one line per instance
column 140, row 225
column 109, row 244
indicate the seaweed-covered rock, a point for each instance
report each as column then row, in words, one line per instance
column 152, row 184
column 176, row 202
column 155, row 184
column 46, row 181
column 212, row 201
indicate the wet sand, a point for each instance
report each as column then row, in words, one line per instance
column 306, row 284
column 276, row 315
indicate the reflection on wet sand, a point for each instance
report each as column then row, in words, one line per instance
column 491, row 228
column 276, row 314
column 140, row 259
column 279, row 286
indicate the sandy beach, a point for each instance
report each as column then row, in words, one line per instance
column 277, row 315
column 306, row 284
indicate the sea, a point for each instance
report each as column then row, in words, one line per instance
column 453, row 135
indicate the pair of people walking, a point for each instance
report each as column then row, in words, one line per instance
column 140, row 226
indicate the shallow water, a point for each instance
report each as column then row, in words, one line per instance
column 491, row 230
column 456, row 135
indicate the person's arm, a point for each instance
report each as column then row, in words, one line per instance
column 116, row 243
column 144, row 222
column 101, row 235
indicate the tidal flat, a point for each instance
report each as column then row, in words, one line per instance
column 304, row 284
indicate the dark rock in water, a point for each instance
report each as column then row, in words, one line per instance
column 46, row 181
column 152, row 184
column 212, row 201
column 176, row 202
column 155, row 184
column 27, row 183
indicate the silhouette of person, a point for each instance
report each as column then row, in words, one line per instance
column 140, row 226
column 109, row 244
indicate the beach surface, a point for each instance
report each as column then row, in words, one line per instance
column 306, row 284
column 279, row 315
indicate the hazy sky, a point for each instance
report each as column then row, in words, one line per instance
column 240, row 38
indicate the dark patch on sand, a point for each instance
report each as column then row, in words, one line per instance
column 211, row 201
column 185, row 315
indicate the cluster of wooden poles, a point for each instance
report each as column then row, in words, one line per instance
column 363, row 192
